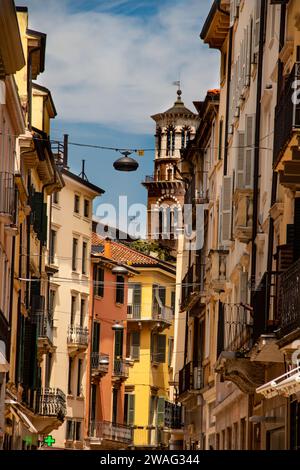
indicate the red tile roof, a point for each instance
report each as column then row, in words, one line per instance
column 123, row 254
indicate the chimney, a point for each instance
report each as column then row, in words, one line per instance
column 107, row 248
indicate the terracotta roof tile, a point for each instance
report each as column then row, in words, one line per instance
column 122, row 253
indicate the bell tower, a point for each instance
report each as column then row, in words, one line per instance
column 174, row 129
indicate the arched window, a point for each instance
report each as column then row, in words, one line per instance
column 170, row 140
column 169, row 174
column 159, row 138
column 185, row 136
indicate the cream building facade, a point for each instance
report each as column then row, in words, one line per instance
column 69, row 252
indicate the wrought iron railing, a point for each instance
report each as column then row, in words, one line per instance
column 238, row 328
column 162, row 313
column 111, row 432
column 50, row 402
column 289, row 295
column 134, row 311
column 44, row 325
column 7, row 194
column 150, row 179
column 121, row 368
column 173, row 415
column 287, row 112
column 191, row 377
column 193, row 281
column 99, row 362
column 78, row 335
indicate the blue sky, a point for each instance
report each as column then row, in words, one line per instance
column 110, row 65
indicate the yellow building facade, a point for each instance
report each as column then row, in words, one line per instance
column 150, row 323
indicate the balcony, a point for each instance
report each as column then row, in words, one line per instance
column 44, row 408
column 44, row 325
column 289, row 302
column 120, row 370
column 99, row 364
column 107, row 435
column 191, row 379
column 287, row 121
column 154, row 314
column 173, row 417
column 77, row 339
column 235, row 340
column 216, row 270
column 7, row 198
column 243, row 220
column 193, row 286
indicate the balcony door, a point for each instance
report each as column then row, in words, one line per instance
column 96, row 337
column 134, row 300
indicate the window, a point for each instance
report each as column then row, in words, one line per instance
column 169, row 174
column 134, row 300
column 170, row 351
column 158, row 348
column 52, row 295
column 86, row 208
column 77, row 431
column 129, row 407
column 160, row 412
column 70, row 376
column 158, row 299
column 84, row 255
column 118, row 344
column 73, row 430
column 79, row 377
column 76, row 204
column 99, row 281
column 82, row 311
column 170, row 140
column 120, row 290
column 135, row 345
column 73, row 309
column 185, row 136
column 69, row 430
column 220, row 150
column 74, row 254
column 159, row 138
column 55, row 197
column 93, row 402
column 96, row 337
column 52, row 247
column 115, row 406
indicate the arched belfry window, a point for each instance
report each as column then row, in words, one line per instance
column 171, row 140
column 158, row 140
column 185, row 136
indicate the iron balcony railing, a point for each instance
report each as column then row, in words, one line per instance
column 152, row 311
column 111, row 432
column 193, row 282
column 150, row 179
column 51, row 402
column 191, row 377
column 78, row 335
column 287, row 112
column 289, row 299
column 173, row 415
column 238, row 328
column 44, row 325
column 121, row 368
column 7, row 194
column 99, row 363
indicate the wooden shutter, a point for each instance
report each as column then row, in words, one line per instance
column 226, row 209
column 249, row 151
column 137, row 294
column 96, row 337
column 161, row 348
column 220, row 153
column 161, row 412
column 170, row 351
column 249, row 52
column 240, row 166
column 118, row 344
column 130, row 409
column 135, row 345
column 256, row 29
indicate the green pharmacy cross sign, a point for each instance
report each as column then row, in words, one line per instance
column 49, row 441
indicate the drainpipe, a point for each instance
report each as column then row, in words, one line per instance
column 228, row 104
column 89, row 355
column 263, row 12
column 263, row 17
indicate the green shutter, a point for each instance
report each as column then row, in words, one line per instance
column 161, row 348
column 131, row 409
column 135, row 345
column 44, row 228
column 118, row 344
column 161, row 412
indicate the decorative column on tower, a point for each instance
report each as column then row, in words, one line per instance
column 174, row 129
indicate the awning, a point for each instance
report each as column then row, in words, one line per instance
column 22, row 416
column 285, row 385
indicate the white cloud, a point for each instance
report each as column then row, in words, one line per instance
column 117, row 70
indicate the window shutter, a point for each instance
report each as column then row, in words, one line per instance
column 249, row 52
column 220, row 153
column 256, row 32
column 170, row 351
column 226, row 209
column 249, row 151
column 137, row 294
column 131, row 409
column 152, row 345
column 240, row 175
column 161, row 412
column 135, row 345
column 161, row 348
column 244, row 287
